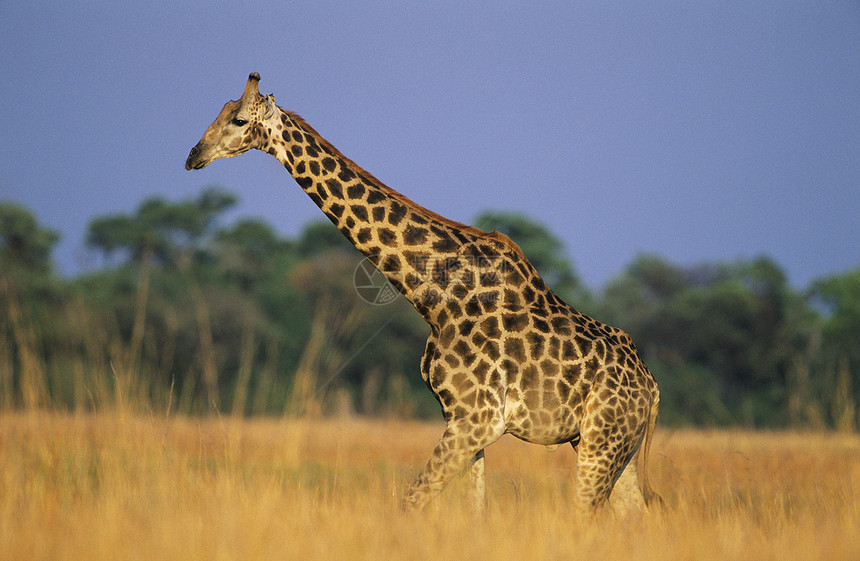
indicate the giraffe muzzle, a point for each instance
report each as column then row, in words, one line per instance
column 194, row 161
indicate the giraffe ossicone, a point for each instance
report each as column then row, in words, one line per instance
column 505, row 354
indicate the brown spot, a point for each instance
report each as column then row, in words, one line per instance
column 492, row 350
column 535, row 342
column 414, row 235
column 387, row 237
column 515, row 322
column 515, row 349
column 531, row 375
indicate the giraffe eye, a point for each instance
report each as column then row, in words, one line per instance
column 239, row 122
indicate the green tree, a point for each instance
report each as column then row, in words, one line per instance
column 839, row 298
column 837, row 385
column 160, row 228
column 356, row 349
column 722, row 339
column 25, row 246
column 174, row 236
column 320, row 236
column 29, row 298
column 249, row 251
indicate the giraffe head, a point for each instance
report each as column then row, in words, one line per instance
column 238, row 128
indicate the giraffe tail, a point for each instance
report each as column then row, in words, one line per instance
column 651, row 497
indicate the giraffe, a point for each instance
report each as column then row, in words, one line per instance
column 504, row 354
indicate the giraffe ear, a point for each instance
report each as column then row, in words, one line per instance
column 270, row 106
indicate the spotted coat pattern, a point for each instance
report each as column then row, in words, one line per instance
column 505, row 354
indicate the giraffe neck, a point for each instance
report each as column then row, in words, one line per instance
column 431, row 260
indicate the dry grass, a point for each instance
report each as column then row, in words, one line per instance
column 128, row 487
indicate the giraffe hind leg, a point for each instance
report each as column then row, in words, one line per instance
column 626, row 497
column 593, row 482
column 479, row 486
column 604, row 466
column 632, row 494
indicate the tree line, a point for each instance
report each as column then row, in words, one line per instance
column 189, row 314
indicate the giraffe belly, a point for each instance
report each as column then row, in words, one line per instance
column 547, row 427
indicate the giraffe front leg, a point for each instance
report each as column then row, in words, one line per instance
column 460, row 442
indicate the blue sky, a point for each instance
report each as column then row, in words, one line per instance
column 697, row 131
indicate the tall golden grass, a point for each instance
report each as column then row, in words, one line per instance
column 125, row 486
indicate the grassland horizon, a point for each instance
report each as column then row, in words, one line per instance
column 128, row 486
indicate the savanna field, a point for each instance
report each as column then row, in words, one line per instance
column 111, row 446
column 130, row 486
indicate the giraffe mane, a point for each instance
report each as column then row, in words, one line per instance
column 367, row 176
